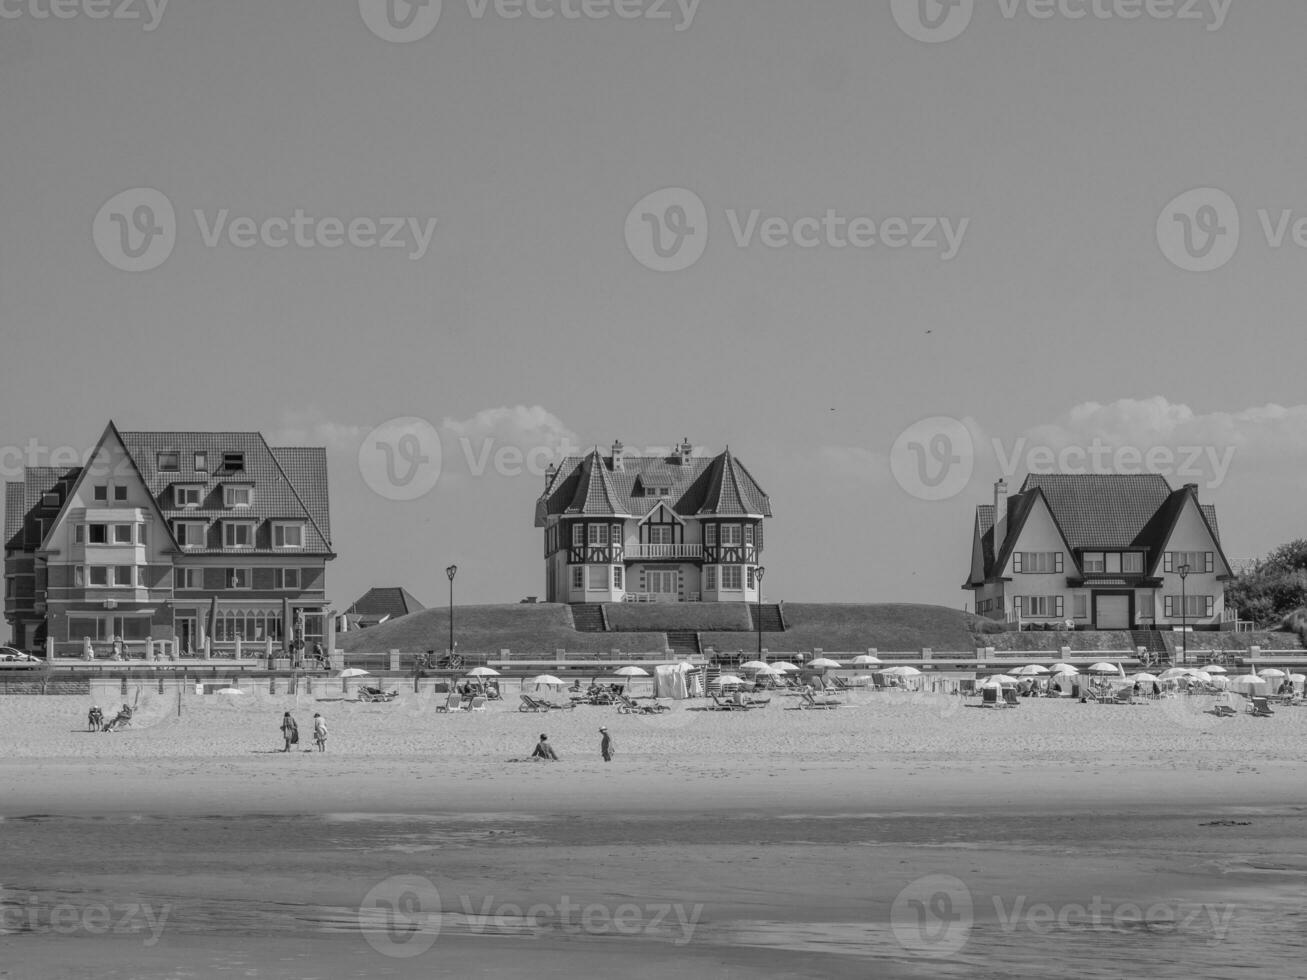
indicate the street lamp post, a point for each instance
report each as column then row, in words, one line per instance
column 1184, row 616
column 757, row 581
column 451, row 571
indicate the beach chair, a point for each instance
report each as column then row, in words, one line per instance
column 810, row 702
column 452, row 703
column 376, row 695
column 478, row 703
column 626, row 706
column 1010, row 698
column 1223, row 711
column 991, row 697
column 1260, row 707
column 720, row 705
column 1125, row 696
column 531, row 704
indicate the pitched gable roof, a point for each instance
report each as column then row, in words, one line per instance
column 391, row 601
column 698, row 486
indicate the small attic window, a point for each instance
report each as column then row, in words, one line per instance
column 201, row 462
column 169, row 462
column 233, row 462
column 50, row 499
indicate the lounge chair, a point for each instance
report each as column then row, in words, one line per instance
column 478, row 703
column 452, row 703
column 376, row 694
column 627, row 706
column 1223, row 711
column 720, row 705
column 1125, row 696
column 811, row 702
column 531, row 704
column 1260, row 708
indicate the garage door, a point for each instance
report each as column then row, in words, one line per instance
column 1112, row 612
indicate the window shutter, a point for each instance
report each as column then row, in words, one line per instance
column 1016, row 561
column 1208, row 562
column 1168, row 565
column 1060, row 613
column 1211, row 605
column 757, row 537
column 1168, row 606
column 1057, row 564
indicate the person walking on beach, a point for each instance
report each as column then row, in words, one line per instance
column 544, row 750
column 320, row 732
column 289, row 731
column 606, row 745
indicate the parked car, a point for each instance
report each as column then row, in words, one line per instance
column 12, row 659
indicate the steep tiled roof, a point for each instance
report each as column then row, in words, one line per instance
column 15, row 508
column 389, row 601
column 275, row 497
column 697, row 487
column 1098, row 510
column 306, row 468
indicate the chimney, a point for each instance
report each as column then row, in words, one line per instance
column 550, row 472
column 1192, row 487
column 619, row 465
column 685, row 452
column 1000, row 513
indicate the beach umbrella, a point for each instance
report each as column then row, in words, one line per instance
column 866, row 658
column 354, row 672
column 1274, row 672
column 547, row 679
column 754, row 665
column 1064, row 669
column 728, row 679
column 1102, row 667
column 784, row 665
column 900, row 671
column 1214, row 669
column 1298, row 678
column 1030, row 670
column 1144, row 677
column 824, row 662
column 770, row 672
column 1172, row 673
column 1001, row 679
column 230, row 690
column 483, row 672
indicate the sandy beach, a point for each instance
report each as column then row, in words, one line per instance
column 898, row 835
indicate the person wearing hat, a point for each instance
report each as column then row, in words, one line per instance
column 320, row 732
column 606, row 745
column 544, row 750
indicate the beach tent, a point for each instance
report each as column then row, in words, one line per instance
column 669, row 682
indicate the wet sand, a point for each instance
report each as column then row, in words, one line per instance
column 887, row 838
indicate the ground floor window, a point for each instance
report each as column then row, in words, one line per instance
column 710, row 578
column 1195, row 606
column 578, row 576
column 1080, row 606
column 598, row 577
column 617, row 576
column 251, row 625
column 1039, row 606
column 732, row 577
column 106, row 628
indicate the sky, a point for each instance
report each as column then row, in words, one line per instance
column 886, row 251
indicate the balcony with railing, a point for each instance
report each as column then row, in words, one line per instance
column 662, row 552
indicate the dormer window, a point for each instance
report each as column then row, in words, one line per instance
column 50, row 500
column 169, row 462
column 233, row 462
column 288, row 534
column 189, row 534
column 237, row 496
column 238, row 534
column 201, row 462
column 187, row 494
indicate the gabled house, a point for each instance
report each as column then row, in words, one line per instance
column 191, row 536
column 379, row 605
column 1099, row 551
column 675, row 528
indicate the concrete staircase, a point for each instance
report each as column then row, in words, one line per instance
column 683, row 641
column 1155, row 644
column 589, row 618
column 772, row 621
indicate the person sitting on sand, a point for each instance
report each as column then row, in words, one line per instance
column 320, row 732
column 544, row 750
column 289, row 731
